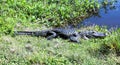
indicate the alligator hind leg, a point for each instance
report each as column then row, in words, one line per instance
column 51, row 35
column 74, row 39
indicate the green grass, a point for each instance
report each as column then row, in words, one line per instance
column 27, row 50
column 38, row 15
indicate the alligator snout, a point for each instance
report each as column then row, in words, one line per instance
column 99, row 34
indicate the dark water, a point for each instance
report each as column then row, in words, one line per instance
column 108, row 16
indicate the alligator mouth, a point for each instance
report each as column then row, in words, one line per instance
column 99, row 35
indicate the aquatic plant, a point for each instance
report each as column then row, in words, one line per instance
column 45, row 12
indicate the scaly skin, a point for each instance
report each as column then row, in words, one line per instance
column 65, row 33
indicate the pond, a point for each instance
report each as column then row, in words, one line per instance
column 108, row 16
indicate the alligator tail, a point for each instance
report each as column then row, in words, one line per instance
column 24, row 32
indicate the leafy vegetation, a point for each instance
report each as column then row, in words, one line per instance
column 46, row 12
column 34, row 15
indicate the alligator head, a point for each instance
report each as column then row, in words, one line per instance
column 99, row 34
column 92, row 34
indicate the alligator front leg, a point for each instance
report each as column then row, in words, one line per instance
column 52, row 35
column 85, row 37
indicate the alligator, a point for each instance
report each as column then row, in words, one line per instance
column 65, row 33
